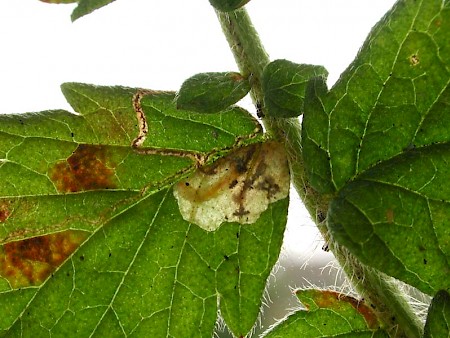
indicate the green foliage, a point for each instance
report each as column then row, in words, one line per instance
column 380, row 137
column 395, row 215
column 139, row 258
column 438, row 319
column 88, row 6
column 167, row 125
column 284, row 84
column 212, row 92
column 92, row 238
column 328, row 314
column 36, row 148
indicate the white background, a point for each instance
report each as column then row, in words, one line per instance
column 158, row 43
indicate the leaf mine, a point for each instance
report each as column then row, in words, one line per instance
column 142, row 120
column 328, row 299
column 236, row 188
column 86, row 169
column 31, row 261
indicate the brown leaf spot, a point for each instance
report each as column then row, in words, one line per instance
column 332, row 299
column 4, row 211
column 31, row 261
column 390, row 215
column 236, row 77
column 86, row 169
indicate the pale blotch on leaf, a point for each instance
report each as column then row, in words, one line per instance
column 235, row 188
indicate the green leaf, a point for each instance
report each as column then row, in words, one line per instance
column 212, row 92
column 56, row 152
column 84, row 6
column 150, row 273
column 380, row 138
column 284, row 84
column 438, row 319
column 228, row 5
column 88, row 6
column 92, row 237
column 167, row 125
column 397, row 220
column 393, row 96
column 328, row 314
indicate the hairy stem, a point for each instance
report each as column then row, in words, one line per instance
column 377, row 289
column 240, row 34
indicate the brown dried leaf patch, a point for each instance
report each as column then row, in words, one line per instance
column 31, row 261
column 87, row 168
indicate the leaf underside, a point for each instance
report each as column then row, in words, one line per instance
column 88, row 6
column 212, row 92
column 379, row 141
column 284, row 85
column 92, row 237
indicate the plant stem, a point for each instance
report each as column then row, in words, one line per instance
column 240, row 33
column 251, row 59
column 378, row 290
